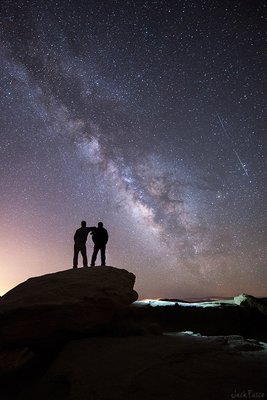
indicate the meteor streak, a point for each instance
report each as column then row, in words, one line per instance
column 231, row 140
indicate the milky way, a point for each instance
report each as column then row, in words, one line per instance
column 149, row 116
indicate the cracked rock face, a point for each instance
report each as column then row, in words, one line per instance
column 77, row 300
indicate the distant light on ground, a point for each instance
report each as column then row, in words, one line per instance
column 163, row 303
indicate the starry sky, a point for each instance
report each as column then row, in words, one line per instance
column 148, row 116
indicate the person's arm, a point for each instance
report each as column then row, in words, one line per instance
column 75, row 235
column 91, row 228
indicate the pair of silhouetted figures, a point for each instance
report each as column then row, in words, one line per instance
column 100, row 239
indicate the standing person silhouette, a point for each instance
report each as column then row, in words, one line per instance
column 100, row 239
column 80, row 238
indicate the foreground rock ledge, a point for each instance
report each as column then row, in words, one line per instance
column 155, row 368
column 78, row 300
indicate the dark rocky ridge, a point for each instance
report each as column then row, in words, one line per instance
column 243, row 315
column 79, row 335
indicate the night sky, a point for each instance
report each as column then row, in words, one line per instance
column 148, row 116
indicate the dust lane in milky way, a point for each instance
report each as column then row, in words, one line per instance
column 148, row 116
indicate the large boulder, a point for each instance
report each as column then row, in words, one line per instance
column 83, row 301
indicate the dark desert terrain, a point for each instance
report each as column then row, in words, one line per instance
column 82, row 334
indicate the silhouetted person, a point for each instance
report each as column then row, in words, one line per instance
column 80, row 238
column 100, row 239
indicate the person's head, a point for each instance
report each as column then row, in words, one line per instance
column 83, row 223
column 100, row 224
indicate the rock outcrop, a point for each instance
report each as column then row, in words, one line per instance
column 247, row 300
column 82, row 301
column 75, row 335
column 225, row 318
column 153, row 367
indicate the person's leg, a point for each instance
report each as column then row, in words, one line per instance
column 84, row 254
column 94, row 255
column 75, row 257
column 103, row 255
